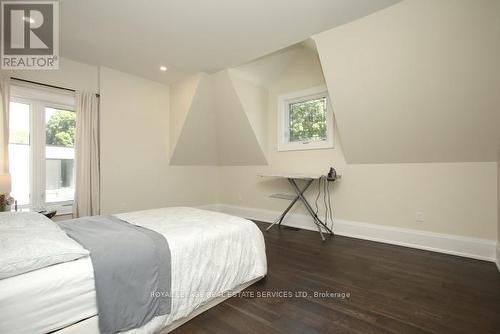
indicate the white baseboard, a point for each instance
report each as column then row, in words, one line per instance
column 475, row 248
column 498, row 255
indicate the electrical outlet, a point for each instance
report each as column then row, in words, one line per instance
column 419, row 216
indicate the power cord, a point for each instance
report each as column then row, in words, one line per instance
column 324, row 187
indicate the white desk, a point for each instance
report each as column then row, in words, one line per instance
column 292, row 179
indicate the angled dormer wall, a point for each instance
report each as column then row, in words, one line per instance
column 196, row 143
column 253, row 100
column 237, row 141
column 417, row 82
column 217, row 120
column 182, row 97
column 458, row 199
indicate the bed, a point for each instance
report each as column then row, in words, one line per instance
column 62, row 297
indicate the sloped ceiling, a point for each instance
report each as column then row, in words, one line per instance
column 214, row 123
column 194, row 36
column 417, row 82
column 265, row 70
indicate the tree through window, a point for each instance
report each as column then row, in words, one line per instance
column 308, row 120
column 305, row 120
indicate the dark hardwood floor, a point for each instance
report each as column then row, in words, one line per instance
column 391, row 289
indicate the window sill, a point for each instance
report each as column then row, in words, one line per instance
column 283, row 147
column 62, row 210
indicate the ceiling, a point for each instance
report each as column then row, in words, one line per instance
column 264, row 71
column 191, row 36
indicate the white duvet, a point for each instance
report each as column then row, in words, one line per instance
column 211, row 253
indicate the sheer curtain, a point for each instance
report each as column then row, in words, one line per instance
column 87, row 185
column 4, row 109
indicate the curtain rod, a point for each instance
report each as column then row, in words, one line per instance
column 46, row 85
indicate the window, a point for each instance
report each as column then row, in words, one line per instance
column 41, row 148
column 305, row 120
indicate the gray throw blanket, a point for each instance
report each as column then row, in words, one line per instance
column 131, row 270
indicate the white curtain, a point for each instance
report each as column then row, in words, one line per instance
column 4, row 110
column 87, row 185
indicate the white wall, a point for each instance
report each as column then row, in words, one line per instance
column 135, row 170
column 455, row 198
column 71, row 74
column 135, row 140
column 458, row 198
column 135, row 136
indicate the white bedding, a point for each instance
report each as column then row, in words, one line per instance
column 211, row 253
column 30, row 241
column 47, row 299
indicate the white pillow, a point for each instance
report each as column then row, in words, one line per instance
column 30, row 241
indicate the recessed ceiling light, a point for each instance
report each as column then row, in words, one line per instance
column 163, row 68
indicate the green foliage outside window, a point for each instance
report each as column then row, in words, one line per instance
column 308, row 120
column 61, row 129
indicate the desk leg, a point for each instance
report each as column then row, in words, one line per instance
column 282, row 216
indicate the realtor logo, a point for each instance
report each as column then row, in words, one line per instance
column 30, row 35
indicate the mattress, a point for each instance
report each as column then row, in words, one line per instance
column 211, row 253
column 47, row 299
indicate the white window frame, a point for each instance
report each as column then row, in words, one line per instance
column 284, row 101
column 38, row 100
